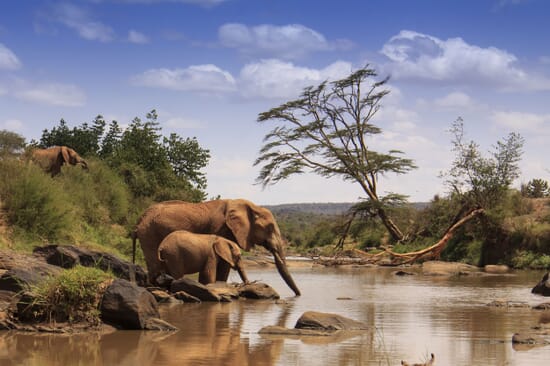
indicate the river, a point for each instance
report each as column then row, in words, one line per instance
column 410, row 317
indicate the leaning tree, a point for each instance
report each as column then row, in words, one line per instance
column 328, row 130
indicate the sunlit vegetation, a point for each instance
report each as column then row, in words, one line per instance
column 74, row 295
column 128, row 170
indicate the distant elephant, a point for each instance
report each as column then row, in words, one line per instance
column 51, row 159
column 238, row 220
column 211, row 256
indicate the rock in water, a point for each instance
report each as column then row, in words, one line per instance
column 127, row 306
column 327, row 321
column 543, row 287
column 258, row 290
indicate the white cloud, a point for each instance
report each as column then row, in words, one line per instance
column 53, row 94
column 137, row 37
column 184, row 123
column 420, row 56
column 519, row 121
column 291, row 41
column 8, row 59
column 454, row 100
column 12, row 125
column 79, row 20
column 278, row 79
column 201, row 78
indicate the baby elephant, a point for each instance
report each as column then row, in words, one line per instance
column 212, row 256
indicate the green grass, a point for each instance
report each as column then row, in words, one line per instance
column 72, row 296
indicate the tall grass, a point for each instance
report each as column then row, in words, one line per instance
column 93, row 207
column 72, row 296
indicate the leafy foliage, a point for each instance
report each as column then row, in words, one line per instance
column 152, row 165
column 11, row 143
column 326, row 131
column 536, row 188
column 72, row 296
column 483, row 181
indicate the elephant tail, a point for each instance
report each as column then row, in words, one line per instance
column 133, row 235
column 159, row 254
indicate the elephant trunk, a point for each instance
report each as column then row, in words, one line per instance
column 283, row 271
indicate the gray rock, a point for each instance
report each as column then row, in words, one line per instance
column 496, row 268
column 440, row 268
column 22, row 277
column 127, row 306
column 543, row 306
column 68, row 256
column 278, row 330
column 185, row 297
column 328, row 321
column 194, row 288
column 543, row 287
column 258, row 290
column 528, row 338
column 158, row 324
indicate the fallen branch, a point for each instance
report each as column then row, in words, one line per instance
column 435, row 250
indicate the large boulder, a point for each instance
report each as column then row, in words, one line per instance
column 68, row 256
column 440, row 268
column 128, row 306
column 21, row 277
column 258, row 290
column 543, row 287
column 194, row 289
column 327, row 321
column 313, row 323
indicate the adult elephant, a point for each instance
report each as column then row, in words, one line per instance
column 212, row 256
column 51, row 159
column 238, row 220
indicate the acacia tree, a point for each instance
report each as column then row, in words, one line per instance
column 327, row 131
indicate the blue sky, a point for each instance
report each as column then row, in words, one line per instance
column 209, row 67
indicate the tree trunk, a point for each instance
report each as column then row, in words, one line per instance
column 394, row 231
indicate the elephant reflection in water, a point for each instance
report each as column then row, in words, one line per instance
column 211, row 334
column 49, row 349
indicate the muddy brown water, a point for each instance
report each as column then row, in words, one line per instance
column 410, row 317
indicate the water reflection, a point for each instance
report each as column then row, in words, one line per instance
column 410, row 317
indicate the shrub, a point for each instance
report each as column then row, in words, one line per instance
column 34, row 202
column 72, row 296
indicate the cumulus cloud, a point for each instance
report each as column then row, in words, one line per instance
column 520, row 121
column 454, row 100
column 78, row 19
column 8, row 59
column 12, row 125
column 266, row 79
column 291, row 41
column 137, row 37
column 278, row 79
column 420, row 56
column 200, row 78
column 185, row 122
column 52, row 93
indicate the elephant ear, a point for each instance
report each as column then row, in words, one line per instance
column 227, row 250
column 64, row 151
column 237, row 218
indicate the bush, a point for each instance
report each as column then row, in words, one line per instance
column 32, row 203
column 528, row 259
column 72, row 296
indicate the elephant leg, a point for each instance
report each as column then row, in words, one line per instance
column 154, row 267
column 208, row 273
column 222, row 271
